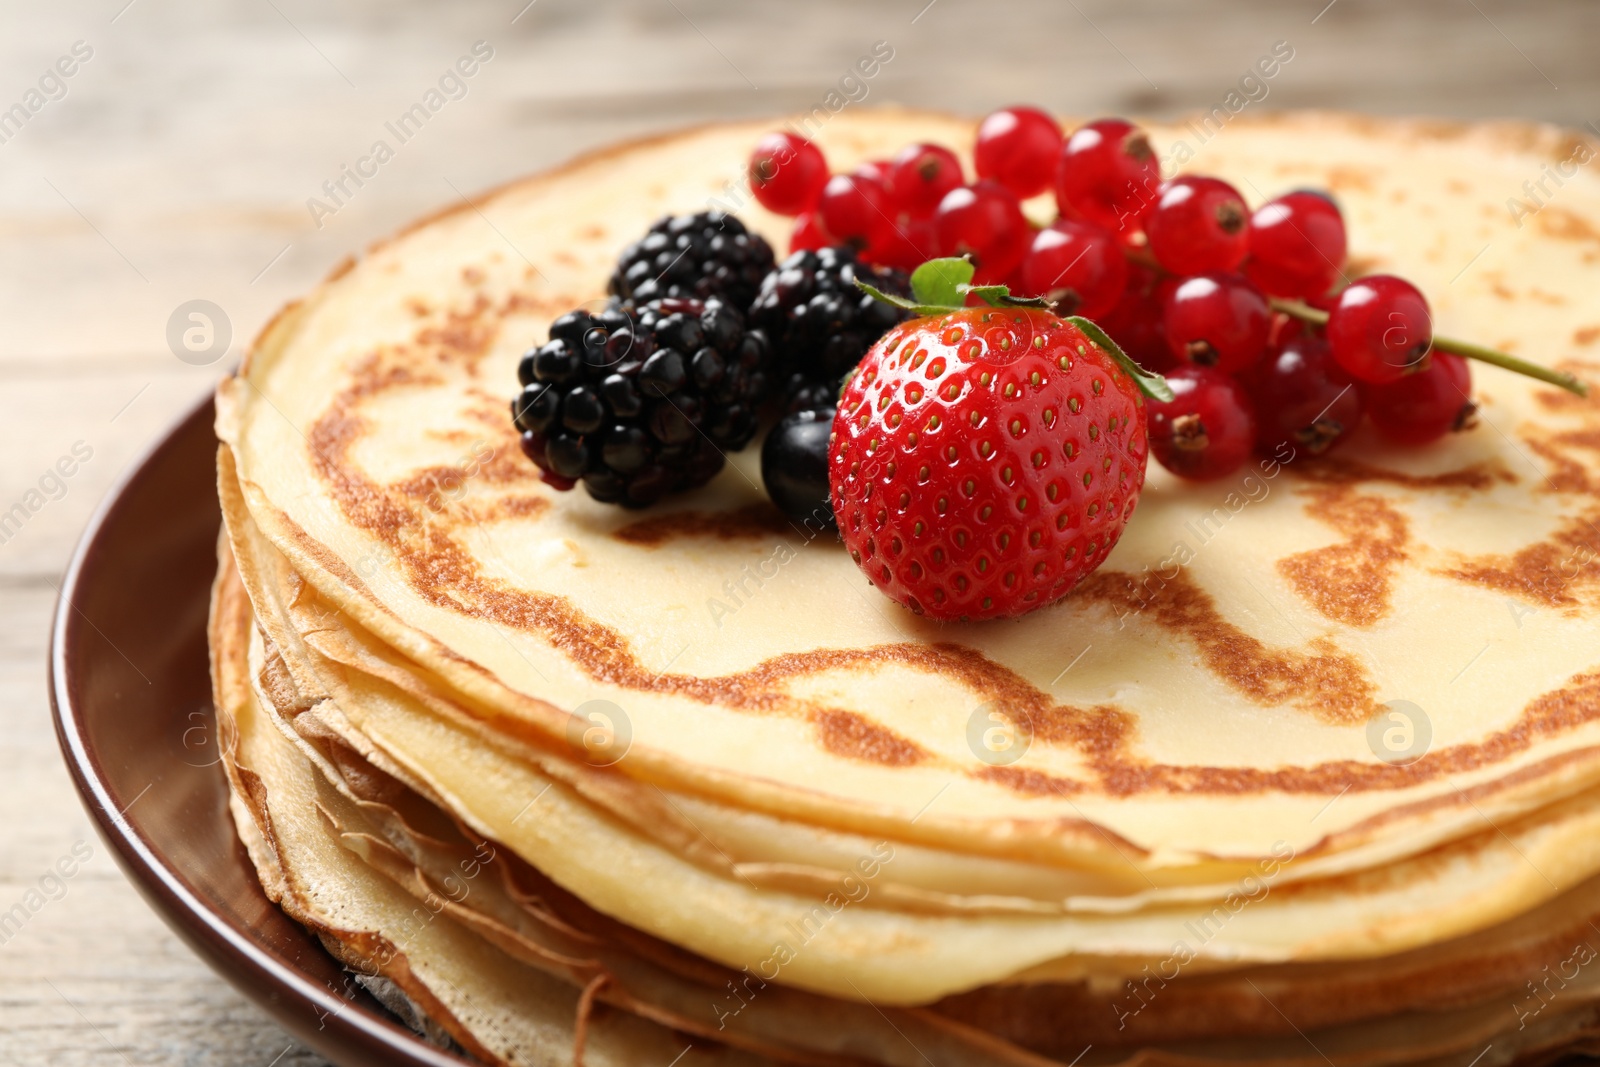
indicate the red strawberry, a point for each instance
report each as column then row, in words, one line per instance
column 984, row 460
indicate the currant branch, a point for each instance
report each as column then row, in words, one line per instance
column 1466, row 349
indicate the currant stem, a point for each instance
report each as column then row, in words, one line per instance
column 1466, row 349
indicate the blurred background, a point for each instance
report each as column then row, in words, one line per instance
column 174, row 164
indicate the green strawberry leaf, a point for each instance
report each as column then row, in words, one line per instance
column 938, row 282
column 999, row 296
column 903, row 303
column 1153, row 386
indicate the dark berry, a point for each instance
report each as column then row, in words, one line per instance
column 1019, row 148
column 1380, row 329
column 920, row 175
column 614, row 401
column 1198, row 226
column 794, row 466
column 1206, row 430
column 986, row 222
column 536, row 408
column 1297, row 245
column 1108, row 174
column 1304, row 401
column 1217, row 320
column 1425, row 406
column 818, row 323
column 787, row 173
column 694, row 257
column 1077, row 265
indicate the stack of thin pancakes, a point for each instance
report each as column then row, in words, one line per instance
column 1307, row 773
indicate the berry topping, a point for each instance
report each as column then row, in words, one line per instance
column 1297, row 244
column 640, row 403
column 1207, row 429
column 854, row 207
column 985, row 459
column 1198, row 226
column 794, row 466
column 1077, row 266
column 1425, row 406
column 1217, row 320
column 1136, row 322
column 920, row 175
column 1108, row 174
column 907, row 244
column 1302, row 399
column 787, row 173
column 819, row 323
column 808, row 233
column 1018, row 147
column 1381, row 329
column 695, row 257
column 984, row 221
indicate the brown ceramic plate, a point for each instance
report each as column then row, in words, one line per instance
column 131, row 692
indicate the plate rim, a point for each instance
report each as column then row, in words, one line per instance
column 344, row 1028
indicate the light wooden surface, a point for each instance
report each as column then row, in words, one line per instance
column 178, row 164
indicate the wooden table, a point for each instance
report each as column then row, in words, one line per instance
column 175, row 163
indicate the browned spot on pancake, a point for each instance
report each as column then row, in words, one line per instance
column 1557, row 572
column 1346, row 177
column 752, row 521
column 1340, row 470
column 1585, row 335
column 472, row 275
column 1566, row 225
column 1029, row 782
column 1326, row 681
column 465, row 334
column 845, row 733
column 1350, row 581
column 525, row 506
column 1563, row 569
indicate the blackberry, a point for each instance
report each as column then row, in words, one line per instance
column 640, row 402
column 819, row 323
column 693, row 257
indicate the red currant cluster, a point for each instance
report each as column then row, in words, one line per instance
column 1247, row 313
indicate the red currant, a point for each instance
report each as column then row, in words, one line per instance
column 787, row 173
column 1381, row 329
column 1108, row 174
column 986, row 221
column 1297, row 244
column 1207, row 429
column 1136, row 323
column 1198, row 226
column 808, row 233
column 876, row 169
column 1425, row 406
column 1302, row 399
column 854, row 207
column 908, row 244
column 1217, row 320
column 920, row 175
column 1018, row 147
column 1078, row 265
